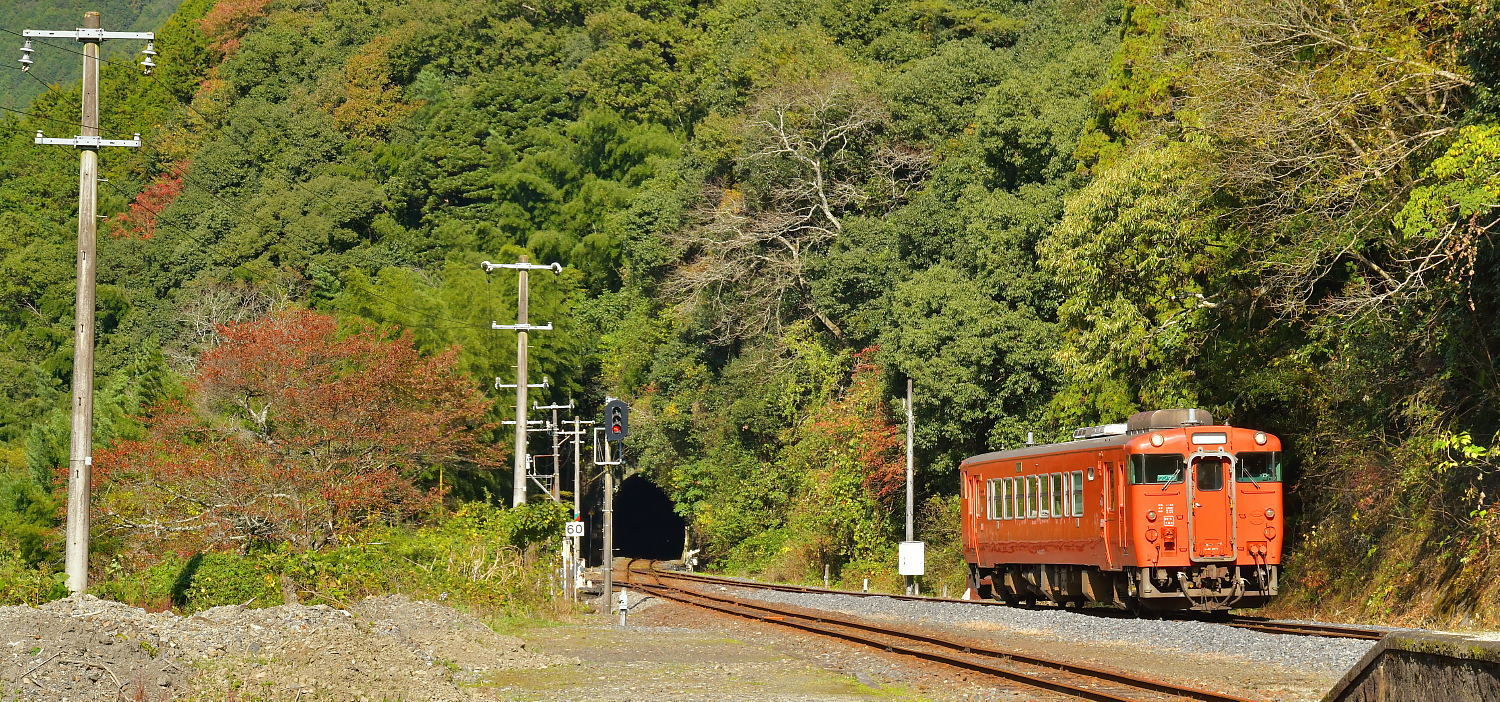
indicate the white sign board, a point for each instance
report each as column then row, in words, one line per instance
column 573, row 529
column 912, row 558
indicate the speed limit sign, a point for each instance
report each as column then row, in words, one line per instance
column 573, row 529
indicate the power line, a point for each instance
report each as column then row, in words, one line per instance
column 187, row 105
column 454, row 324
column 33, row 115
column 59, row 47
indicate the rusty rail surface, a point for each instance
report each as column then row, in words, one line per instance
column 1261, row 624
column 1071, row 679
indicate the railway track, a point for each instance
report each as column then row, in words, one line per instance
column 1261, row 624
column 1070, row 679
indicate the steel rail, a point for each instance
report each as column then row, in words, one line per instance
column 1275, row 626
column 967, row 655
column 1261, row 624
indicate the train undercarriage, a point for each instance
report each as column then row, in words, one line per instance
column 1203, row 587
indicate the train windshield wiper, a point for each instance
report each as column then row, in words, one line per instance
column 1181, row 465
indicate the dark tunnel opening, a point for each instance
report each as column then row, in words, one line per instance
column 646, row 525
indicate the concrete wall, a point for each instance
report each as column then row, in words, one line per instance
column 1418, row 666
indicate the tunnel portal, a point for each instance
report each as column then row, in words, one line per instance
column 646, row 525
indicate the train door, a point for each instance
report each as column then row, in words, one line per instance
column 974, row 511
column 1211, row 506
column 1110, row 516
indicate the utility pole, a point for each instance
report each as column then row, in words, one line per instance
column 81, row 439
column 574, row 555
column 911, row 559
column 522, row 326
column 556, row 427
column 911, row 425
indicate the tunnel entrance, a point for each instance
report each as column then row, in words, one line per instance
column 646, row 526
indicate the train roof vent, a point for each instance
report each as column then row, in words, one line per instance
column 1101, row 430
column 1167, row 419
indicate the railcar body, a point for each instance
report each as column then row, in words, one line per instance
column 1165, row 511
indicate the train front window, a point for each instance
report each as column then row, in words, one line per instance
column 1258, row 467
column 1210, row 474
column 1156, row 468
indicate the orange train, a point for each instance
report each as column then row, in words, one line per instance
column 1165, row 511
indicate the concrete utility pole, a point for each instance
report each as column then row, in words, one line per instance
column 80, row 452
column 522, row 326
column 556, row 428
column 911, row 493
column 911, row 490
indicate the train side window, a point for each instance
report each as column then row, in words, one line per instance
column 995, row 497
column 1031, row 495
column 1057, row 495
column 1017, row 511
column 1066, row 489
column 1078, row 493
column 1002, row 511
column 1043, row 496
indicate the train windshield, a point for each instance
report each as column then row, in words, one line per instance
column 1155, row 469
column 1258, row 467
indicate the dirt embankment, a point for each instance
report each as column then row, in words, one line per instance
column 86, row 648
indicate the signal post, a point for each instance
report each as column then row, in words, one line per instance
column 616, row 428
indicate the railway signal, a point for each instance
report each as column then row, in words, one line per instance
column 616, row 420
column 616, row 427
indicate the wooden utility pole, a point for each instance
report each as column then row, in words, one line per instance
column 81, row 435
column 81, row 452
column 522, row 326
column 518, row 491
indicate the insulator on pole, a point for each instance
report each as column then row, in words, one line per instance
column 26, row 52
column 146, row 63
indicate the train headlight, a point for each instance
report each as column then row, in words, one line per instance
column 1151, row 535
column 1156, row 439
column 1260, row 438
column 1150, row 515
column 1270, row 513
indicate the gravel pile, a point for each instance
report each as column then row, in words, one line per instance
column 85, row 648
column 1313, row 654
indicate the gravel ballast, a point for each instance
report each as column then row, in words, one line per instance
column 85, row 648
column 1323, row 656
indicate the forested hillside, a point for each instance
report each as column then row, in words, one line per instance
column 771, row 213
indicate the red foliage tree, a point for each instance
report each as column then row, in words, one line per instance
column 859, row 419
column 293, row 434
column 140, row 220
